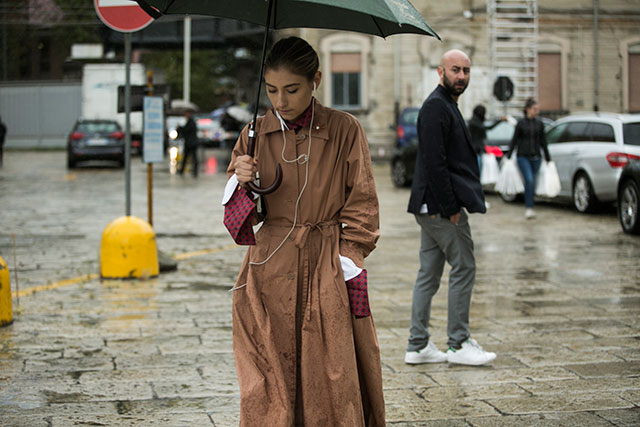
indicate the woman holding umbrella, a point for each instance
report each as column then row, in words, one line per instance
column 304, row 355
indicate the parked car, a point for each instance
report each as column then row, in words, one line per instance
column 407, row 129
column 210, row 132
column 403, row 158
column 590, row 151
column 95, row 140
column 629, row 198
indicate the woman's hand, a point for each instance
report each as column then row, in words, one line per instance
column 245, row 167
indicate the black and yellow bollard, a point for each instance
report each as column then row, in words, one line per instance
column 6, row 309
column 128, row 250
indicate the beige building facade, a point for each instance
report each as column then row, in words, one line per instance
column 588, row 58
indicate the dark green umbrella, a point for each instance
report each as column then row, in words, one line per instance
column 377, row 17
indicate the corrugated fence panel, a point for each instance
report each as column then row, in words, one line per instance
column 39, row 115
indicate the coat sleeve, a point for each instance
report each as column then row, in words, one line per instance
column 514, row 139
column 543, row 142
column 434, row 126
column 359, row 215
column 238, row 150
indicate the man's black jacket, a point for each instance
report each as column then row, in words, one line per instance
column 446, row 176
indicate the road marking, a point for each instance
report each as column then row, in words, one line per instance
column 54, row 285
column 89, row 277
column 203, row 252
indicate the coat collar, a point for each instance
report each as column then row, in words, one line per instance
column 443, row 93
column 270, row 123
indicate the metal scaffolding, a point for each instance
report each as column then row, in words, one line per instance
column 513, row 48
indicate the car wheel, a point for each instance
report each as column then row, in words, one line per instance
column 584, row 199
column 628, row 204
column 71, row 163
column 399, row 174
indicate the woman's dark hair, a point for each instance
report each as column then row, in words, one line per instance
column 479, row 112
column 294, row 54
column 530, row 102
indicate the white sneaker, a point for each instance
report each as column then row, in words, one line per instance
column 529, row 213
column 428, row 354
column 470, row 354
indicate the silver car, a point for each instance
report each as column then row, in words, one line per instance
column 590, row 151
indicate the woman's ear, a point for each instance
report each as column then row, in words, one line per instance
column 316, row 80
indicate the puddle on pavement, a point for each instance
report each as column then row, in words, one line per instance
column 527, row 274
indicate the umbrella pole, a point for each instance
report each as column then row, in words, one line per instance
column 252, row 134
column 251, row 144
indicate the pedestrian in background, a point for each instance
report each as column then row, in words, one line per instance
column 3, row 133
column 446, row 186
column 189, row 134
column 530, row 141
column 478, row 131
column 302, row 356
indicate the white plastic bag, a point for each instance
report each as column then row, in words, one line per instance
column 509, row 179
column 548, row 184
column 490, row 169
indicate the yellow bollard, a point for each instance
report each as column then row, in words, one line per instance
column 128, row 249
column 6, row 311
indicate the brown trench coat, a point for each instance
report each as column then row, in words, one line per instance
column 301, row 357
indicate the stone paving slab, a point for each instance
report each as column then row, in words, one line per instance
column 558, row 298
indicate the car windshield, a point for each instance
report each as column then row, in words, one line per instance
column 410, row 117
column 98, row 127
column 631, row 132
column 502, row 132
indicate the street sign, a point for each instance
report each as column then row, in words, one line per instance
column 122, row 15
column 153, row 136
column 503, row 88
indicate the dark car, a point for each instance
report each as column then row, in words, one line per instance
column 629, row 198
column 405, row 148
column 403, row 159
column 407, row 128
column 95, row 140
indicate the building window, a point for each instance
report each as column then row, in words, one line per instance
column 344, row 71
column 634, row 79
column 345, row 80
column 549, row 81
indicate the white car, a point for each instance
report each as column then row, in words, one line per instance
column 590, row 151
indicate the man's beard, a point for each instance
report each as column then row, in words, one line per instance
column 451, row 89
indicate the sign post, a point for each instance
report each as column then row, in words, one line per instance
column 153, row 138
column 126, row 17
column 126, row 238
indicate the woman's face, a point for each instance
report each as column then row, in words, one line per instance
column 289, row 93
column 533, row 111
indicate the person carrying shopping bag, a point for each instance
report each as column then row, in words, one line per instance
column 530, row 141
column 306, row 353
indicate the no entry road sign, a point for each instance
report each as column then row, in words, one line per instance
column 122, row 15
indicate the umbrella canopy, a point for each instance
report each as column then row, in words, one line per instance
column 378, row 17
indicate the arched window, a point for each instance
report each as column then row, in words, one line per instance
column 552, row 73
column 344, row 70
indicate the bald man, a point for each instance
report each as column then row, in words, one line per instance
column 445, row 187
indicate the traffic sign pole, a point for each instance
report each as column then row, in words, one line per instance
column 127, row 123
column 126, row 17
column 150, row 164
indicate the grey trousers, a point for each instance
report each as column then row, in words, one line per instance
column 442, row 241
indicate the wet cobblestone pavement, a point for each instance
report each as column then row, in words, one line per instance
column 558, row 298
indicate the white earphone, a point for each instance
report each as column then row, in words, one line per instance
column 314, row 86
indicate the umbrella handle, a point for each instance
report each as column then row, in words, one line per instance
column 251, row 146
column 270, row 189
